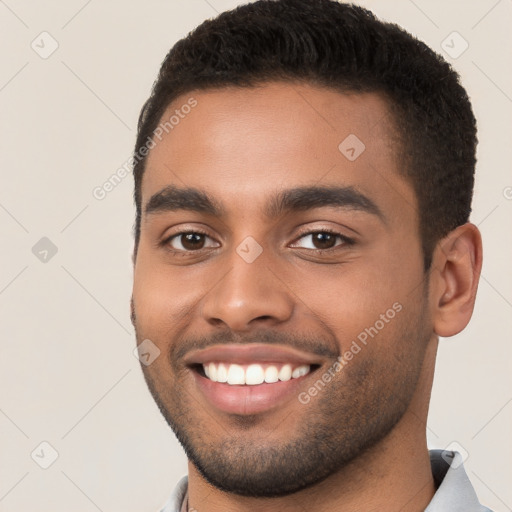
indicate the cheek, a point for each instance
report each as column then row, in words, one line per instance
column 349, row 300
column 165, row 296
column 368, row 306
column 153, row 295
column 384, row 357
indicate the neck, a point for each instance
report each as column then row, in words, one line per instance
column 393, row 475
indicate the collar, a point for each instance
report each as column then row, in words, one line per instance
column 454, row 490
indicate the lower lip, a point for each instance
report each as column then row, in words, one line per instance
column 246, row 400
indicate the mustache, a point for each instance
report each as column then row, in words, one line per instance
column 307, row 343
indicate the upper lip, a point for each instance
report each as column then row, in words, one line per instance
column 253, row 353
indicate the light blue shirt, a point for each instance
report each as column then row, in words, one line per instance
column 454, row 492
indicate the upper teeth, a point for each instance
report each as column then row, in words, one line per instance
column 253, row 374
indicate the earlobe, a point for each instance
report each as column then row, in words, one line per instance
column 458, row 260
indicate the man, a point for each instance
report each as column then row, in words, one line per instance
column 303, row 185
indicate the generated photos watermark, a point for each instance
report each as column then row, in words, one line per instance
column 101, row 191
column 355, row 347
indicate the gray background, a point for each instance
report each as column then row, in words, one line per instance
column 68, row 375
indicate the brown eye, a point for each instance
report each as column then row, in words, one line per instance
column 192, row 241
column 322, row 240
column 189, row 241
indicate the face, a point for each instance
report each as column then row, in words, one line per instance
column 279, row 273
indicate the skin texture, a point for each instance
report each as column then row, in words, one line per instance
column 359, row 444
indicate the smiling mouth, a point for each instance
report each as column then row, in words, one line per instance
column 252, row 374
column 246, row 379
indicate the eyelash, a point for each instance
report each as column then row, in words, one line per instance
column 345, row 239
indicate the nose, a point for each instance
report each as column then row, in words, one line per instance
column 248, row 294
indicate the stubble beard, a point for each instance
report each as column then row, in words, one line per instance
column 352, row 414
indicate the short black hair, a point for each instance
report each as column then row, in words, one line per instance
column 346, row 48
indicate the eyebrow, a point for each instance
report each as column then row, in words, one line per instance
column 173, row 198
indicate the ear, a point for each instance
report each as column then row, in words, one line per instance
column 457, row 263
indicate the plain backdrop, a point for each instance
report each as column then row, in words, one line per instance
column 68, row 375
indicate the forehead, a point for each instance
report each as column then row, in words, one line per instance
column 242, row 144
